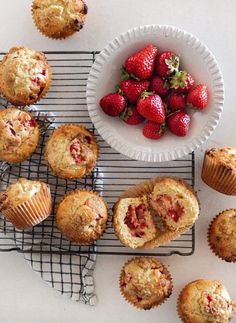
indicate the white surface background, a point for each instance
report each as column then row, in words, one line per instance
column 24, row 297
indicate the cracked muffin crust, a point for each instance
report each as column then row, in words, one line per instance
column 59, row 18
column 219, row 170
column 82, row 216
column 145, row 282
column 19, row 135
column 26, row 203
column 205, row 301
column 222, row 235
column 175, row 203
column 133, row 223
column 71, row 151
column 25, row 76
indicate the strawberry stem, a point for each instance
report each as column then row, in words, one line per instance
column 146, row 94
column 124, row 75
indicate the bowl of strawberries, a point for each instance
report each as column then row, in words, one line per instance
column 155, row 93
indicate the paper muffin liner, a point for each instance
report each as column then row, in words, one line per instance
column 41, row 96
column 178, row 308
column 218, row 176
column 166, row 272
column 61, row 37
column 105, row 223
column 32, row 212
column 90, row 169
column 215, row 251
column 146, row 188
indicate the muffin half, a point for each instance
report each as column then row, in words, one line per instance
column 26, row 203
column 145, row 282
column 25, row 76
column 205, row 301
column 82, row 216
column 59, row 19
column 175, row 202
column 19, row 135
column 71, row 151
column 219, row 170
column 222, row 235
column 133, row 223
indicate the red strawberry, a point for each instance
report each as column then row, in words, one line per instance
column 167, row 63
column 178, row 123
column 132, row 89
column 159, row 85
column 141, row 64
column 176, row 102
column 113, row 104
column 198, row 97
column 131, row 116
column 151, row 107
column 182, row 82
column 153, row 130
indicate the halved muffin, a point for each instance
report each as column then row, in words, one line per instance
column 71, row 151
column 133, row 223
column 175, row 202
column 19, row 135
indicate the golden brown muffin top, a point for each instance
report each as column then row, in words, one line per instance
column 145, row 282
column 23, row 74
column 19, row 192
column 225, row 156
column 222, row 235
column 205, row 301
column 16, row 127
column 59, row 18
column 71, row 151
column 82, row 216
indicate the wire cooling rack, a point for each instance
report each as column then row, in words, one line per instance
column 114, row 173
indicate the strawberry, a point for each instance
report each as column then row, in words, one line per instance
column 198, row 97
column 153, row 130
column 131, row 116
column 176, row 102
column 113, row 104
column 151, row 107
column 182, row 82
column 141, row 64
column 178, row 123
column 167, row 63
column 159, row 85
column 132, row 89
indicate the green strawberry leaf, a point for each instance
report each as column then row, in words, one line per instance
column 173, row 64
column 179, row 79
column 117, row 89
column 146, row 94
column 124, row 75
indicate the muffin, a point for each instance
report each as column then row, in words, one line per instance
column 205, row 301
column 19, row 135
column 25, row 76
column 145, row 282
column 82, row 216
column 175, row 203
column 26, row 203
column 222, row 235
column 133, row 223
column 71, row 151
column 59, row 19
column 219, row 170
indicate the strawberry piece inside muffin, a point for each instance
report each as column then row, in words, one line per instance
column 169, row 207
column 136, row 220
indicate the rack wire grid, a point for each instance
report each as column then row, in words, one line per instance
column 66, row 102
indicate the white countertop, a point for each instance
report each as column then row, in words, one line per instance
column 24, row 297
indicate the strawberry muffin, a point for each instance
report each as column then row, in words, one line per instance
column 25, row 76
column 145, row 282
column 219, row 170
column 26, row 203
column 205, row 301
column 19, row 135
column 175, row 203
column 59, row 19
column 133, row 223
column 82, row 216
column 71, row 151
column 222, row 235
